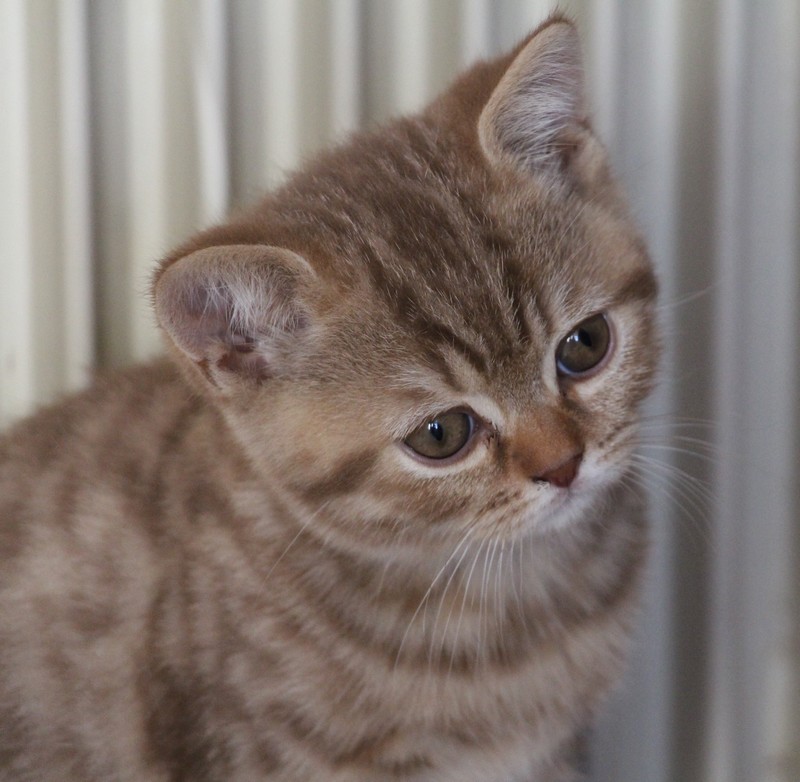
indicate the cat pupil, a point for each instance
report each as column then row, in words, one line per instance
column 436, row 430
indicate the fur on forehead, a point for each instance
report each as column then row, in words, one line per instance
column 439, row 215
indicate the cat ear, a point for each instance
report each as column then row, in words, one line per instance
column 538, row 102
column 234, row 310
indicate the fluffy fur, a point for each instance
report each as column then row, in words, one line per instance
column 232, row 568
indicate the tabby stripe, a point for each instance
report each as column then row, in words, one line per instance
column 438, row 363
column 640, row 285
column 403, row 299
column 152, row 506
column 518, row 309
column 435, row 331
column 321, row 610
column 348, row 475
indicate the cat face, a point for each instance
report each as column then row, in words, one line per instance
column 442, row 329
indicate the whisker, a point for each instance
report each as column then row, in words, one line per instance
column 463, row 541
column 687, row 298
column 690, row 495
column 439, row 610
column 707, row 445
column 466, row 591
column 707, row 456
column 484, row 595
column 671, row 469
column 303, row 527
column 498, row 584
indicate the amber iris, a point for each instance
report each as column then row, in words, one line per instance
column 584, row 348
column 442, row 436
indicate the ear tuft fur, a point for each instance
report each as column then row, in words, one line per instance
column 539, row 100
column 234, row 310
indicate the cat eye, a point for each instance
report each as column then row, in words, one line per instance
column 443, row 436
column 584, row 348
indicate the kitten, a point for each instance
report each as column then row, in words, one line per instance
column 376, row 524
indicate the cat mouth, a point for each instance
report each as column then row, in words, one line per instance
column 559, row 508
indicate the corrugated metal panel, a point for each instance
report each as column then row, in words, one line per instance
column 126, row 125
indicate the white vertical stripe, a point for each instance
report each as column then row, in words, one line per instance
column 76, row 215
column 411, row 53
column 282, row 44
column 603, row 49
column 148, row 201
column 46, row 304
column 475, row 30
column 16, row 338
column 210, row 82
column 345, row 66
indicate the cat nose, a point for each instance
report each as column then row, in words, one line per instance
column 562, row 475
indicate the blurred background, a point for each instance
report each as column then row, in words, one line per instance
column 127, row 124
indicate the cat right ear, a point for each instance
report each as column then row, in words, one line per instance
column 537, row 111
column 236, row 310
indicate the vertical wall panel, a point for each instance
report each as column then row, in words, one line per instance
column 445, row 44
column 602, row 44
column 730, row 259
column 410, row 52
column 281, row 33
column 146, row 80
column 209, row 74
column 76, row 213
column 45, row 228
column 17, row 383
column 475, row 30
column 512, row 19
column 755, row 662
column 111, row 217
column 246, row 100
column 346, row 66
column 45, row 198
column 315, row 56
column 148, row 183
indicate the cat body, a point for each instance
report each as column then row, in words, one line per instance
column 374, row 520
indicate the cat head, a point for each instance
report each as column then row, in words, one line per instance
column 443, row 326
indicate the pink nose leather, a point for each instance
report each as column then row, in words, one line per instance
column 563, row 474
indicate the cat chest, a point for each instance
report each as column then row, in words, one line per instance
column 406, row 723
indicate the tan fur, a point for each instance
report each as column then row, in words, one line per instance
column 237, row 571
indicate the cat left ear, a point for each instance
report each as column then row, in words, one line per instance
column 236, row 311
column 537, row 110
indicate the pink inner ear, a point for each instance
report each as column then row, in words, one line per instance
column 244, row 360
column 243, row 357
column 234, row 310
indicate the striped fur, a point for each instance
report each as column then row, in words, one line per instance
column 229, row 567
